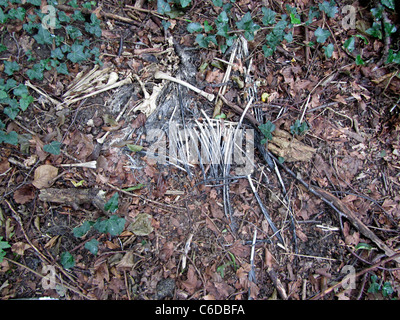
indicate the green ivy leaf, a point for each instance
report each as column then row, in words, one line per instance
column 299, row 127
column 359, row 61
column 3, row 16
column 43, row 36
column 62, row 68
column 312, row 13
column 92, row 246
column 194, row 27
column 77, row 54
column 165, row 24
column 3, row 245
column 10, row 67
column 269, row 16
column 18, row 13
column 247, row 24
column 25, row 101
column 21, row 90
column 3, row 95
column 63, row 17
column 36, row 3
column 81, row 230
column 207, row 27
column 217, row 3
column 375, row 30
column 94, row 26
column 322, row 35
column 389, row 3
column 203, row 41
column 73, row 32
column 294, row 19
column 36, row 72
column 78, row 16
column 11, row 137
column 349, row 44
column 377, row 12
column 393, row 57
column 163, row 7
column 387, row 289
column 73, row 3
column 329, row 50
column 185, row 3
column 13, row 109
column 67, row 260
column 329, row 8
column 115, row 225
column 389, row 28
column 53, row 147
column 267, row 129
column 112, row 204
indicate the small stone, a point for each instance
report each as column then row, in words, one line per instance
column 165, row 288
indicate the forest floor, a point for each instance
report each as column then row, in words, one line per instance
column 176, row 240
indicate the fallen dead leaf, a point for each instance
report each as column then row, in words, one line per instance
column 190, row 284
column 44, row 176
column 142, row 225
column 20, row 247
column 127, row 261
column 24, row 194
column 4, row 166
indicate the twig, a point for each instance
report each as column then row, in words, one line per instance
column 277, row 282
column 265, row 212
column 252, row 276
column 222, row 90
column 239, row 110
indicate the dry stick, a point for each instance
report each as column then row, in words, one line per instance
column 277, row 283
column 102, row 13
column 265, row 212
column 251, row 275
column 227, row 75
column 358, row 274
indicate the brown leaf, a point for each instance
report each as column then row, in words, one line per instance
column 24, row 194
column 20, row 247
column 4, row 166
column 190, row 284
column 150, row 171
column 240, row 250
column 127, row 261
column 49, row 244
column 167, row 251
column 44, row 176
column 139, row 121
